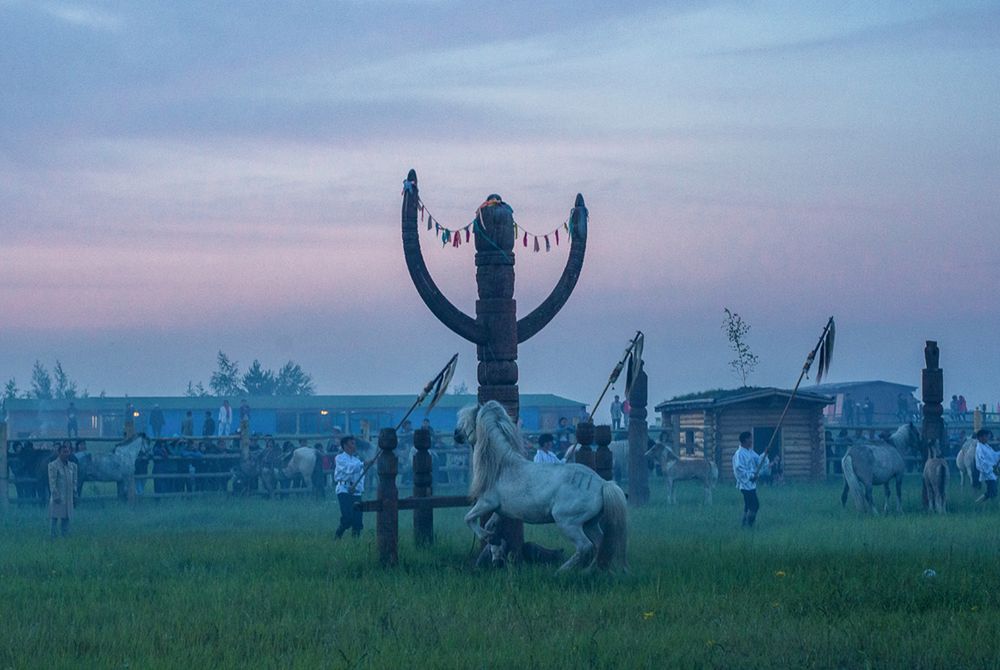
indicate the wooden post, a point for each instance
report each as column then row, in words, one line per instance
column 423, row 487
column 387, row 517
column 932, row 390
column 130, row 425
column 585, row 437
column 4, row 472
column 638, row 438
column 604, row 460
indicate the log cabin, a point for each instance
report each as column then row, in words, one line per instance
column 708, row 425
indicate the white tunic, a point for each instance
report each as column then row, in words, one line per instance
column 546, row 457
column 347, row 472
column 986, row 460
column 745, row 463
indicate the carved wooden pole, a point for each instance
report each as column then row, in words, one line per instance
column 604, row 460
column 496, row 331
column 932, row 391
column 387, row 517
column 585, row 438
column 423, row 486
column 638, row 438
column 4, row 472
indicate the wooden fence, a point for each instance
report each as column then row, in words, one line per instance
column 194, row 483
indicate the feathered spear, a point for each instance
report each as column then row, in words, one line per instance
column 633, row 358
column 439, row 385
column 823, row 349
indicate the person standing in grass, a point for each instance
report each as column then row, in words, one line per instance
column 745, row 464
column 986, row 463
column 350, row 485
column 62, row 490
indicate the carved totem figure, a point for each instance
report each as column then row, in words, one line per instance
column 495, row 329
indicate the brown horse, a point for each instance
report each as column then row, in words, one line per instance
column 679, row 469
column 935, row 482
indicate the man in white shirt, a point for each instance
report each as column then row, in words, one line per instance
column 225, row 424
column 986, row 463
column 544, row 453
column 350, row 485
column 745, row 464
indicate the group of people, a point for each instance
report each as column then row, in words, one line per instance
column 958, row 408
column 215, row 424
column 854, row 413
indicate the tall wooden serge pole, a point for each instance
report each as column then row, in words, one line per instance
column 495, row 330
column 932, row 391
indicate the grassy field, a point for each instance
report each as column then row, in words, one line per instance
column 236, row 583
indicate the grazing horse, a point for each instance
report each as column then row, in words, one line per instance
column 117, row 466
column 589, row 511
column 966, row 462
column 935, row 482
column 868, row 465
column 677, row 469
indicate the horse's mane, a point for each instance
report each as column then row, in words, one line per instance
column 905, row 438
column 497, row 440
column 138, row 437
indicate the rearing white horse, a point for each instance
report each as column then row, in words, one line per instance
column 589, row 511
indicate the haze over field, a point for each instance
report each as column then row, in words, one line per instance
column 179, row 178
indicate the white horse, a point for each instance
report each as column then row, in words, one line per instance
column 589, row 511
column 966, row 462
column 868, row 465
column 117, row 466
column 677, row 469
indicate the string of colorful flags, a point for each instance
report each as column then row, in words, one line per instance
column 456, row 237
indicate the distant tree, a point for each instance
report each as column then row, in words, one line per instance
column 102, row 394
column 41, row 382
column 226, row 379
column 736, row 330
column 65, row 387
column 293, row 380
column 10, row 389
column 258, row 381
column 460, row 389
column 193, row 390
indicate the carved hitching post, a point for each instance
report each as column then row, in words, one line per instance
column 585, row 438
column 932, row 391
column 604, row 460
column 495, row 330
column 423, row 487
column 638, row 438
column 387, row 516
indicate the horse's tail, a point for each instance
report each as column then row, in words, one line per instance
column 852, row 481
column 614, row 523
column 714, row 473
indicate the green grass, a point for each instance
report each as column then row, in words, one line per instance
column 236, row 583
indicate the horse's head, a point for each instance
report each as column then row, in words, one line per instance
column 465, row 425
